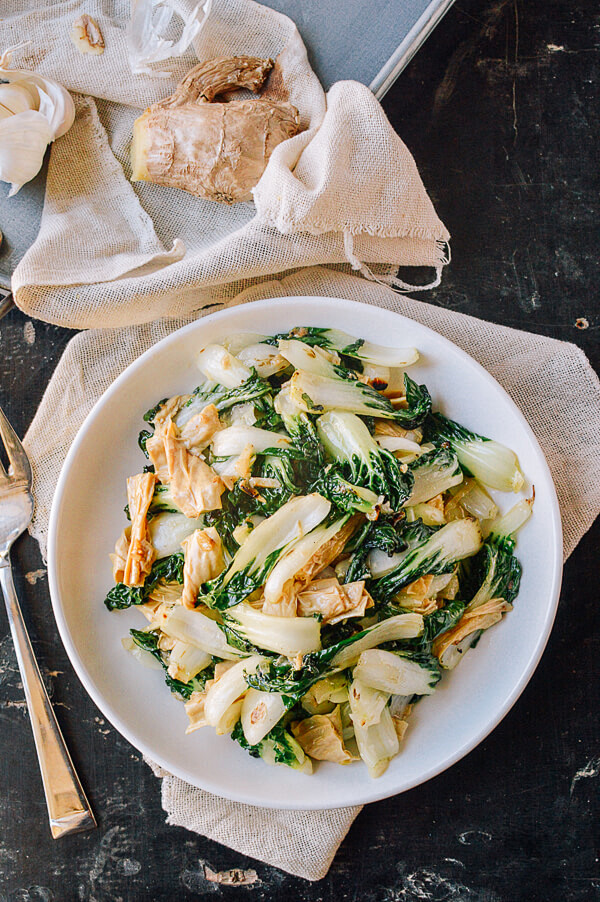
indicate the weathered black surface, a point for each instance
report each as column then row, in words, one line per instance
column 501, row 112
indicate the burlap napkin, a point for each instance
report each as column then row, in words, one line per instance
column 551, row 381
column 346, row 190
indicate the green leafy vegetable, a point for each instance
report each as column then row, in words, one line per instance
column 264, row 547
column 168, row 570
column 490, row 462
column 148, row 640
column 278, row 747
column 348, row 441
column 346, row 497
column 437, row 554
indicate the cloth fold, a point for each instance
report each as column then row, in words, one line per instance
column 124, row 253
column 552, row 383
column 302, row 843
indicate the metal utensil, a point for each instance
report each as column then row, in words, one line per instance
column 68, row 808
column 6, row 301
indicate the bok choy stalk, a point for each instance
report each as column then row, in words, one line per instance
column 489, row 461
column 470, row 498
column 148, row 641
column 278, row 747
column 434, row 472
column 264, row 547
column 261, row 711
column 234, row 439
column 289, row 636
column 347, row 497
column 377, row 743
column 316, row 394
column 283, row 677
column 218, row 364
column 300, row 427
column 348, row 346
column 168, row 530
column 370, row 353
column 188, row 660
column 263, row 358
column 229, row 687
column 367, row 703
column 294, row 560
column 312, row 360
column 396, row 675
column 197, row 629
column 437, row 554
column 495, row 572
column 348, row 441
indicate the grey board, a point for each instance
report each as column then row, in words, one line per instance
column 370, row 41
column 364, row 40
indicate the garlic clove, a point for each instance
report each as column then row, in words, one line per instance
column 23, row 141
column 47, row 95
column 87, row 36
column 45, row 112
column 16, row 98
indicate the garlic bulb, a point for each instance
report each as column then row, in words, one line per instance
column 15, row 99
column 34, row 111
column 149, row 22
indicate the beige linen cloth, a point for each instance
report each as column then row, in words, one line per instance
column 345, row 190
column 552, row 383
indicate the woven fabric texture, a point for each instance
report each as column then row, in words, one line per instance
column 344, row 191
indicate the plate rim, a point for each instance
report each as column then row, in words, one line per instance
column 105, row 706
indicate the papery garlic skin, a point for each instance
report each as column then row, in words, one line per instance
column 24, row 138
column 41, row 111
column 149, row 21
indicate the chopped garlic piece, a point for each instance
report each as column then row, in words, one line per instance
column 86, row 35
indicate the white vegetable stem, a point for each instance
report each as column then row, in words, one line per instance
column 189, row 659
column 311, row 360
column 167, row 532
column 261, row 711
column 266, row 360
column 297, row 558
column 218, row 364
column 402, row 626
column 372, row 353
column 228, row 689
column 292, row 521
column 492, row 463
column 289, row 636
column 234, row 439
column 513, row 520
column 377, row 743
column 390, row 673
column 199, row 630
column 367, row 703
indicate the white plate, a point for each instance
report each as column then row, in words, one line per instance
column 87, row 516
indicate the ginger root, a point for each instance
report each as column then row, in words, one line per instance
column 214, row 150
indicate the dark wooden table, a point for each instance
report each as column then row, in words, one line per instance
column 501, row 111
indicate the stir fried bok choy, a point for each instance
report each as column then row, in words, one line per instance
column 312, row 545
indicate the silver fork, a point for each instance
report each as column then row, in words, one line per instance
column 68, row 808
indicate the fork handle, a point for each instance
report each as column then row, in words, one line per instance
column 68, row 808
